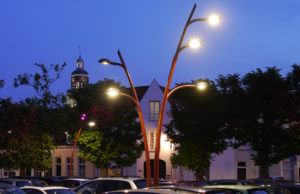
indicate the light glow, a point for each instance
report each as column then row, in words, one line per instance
column 201, row 85
column 195, row 43
column 214, row 20
column 112, row 92
column 91, row 124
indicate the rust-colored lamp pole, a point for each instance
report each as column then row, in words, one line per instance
column 139, row 110
column 82, row 118
column 212, row 20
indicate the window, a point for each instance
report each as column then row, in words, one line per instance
column 69, row 166
column 81, row 167
column 154, row 110
column 241, row 170
column 111, row 185
column 58, row 166
column 152, row 140
column 90, row 187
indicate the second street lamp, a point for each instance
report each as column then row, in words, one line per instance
column 136, row 101
column 199, row 85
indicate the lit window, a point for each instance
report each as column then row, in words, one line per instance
column 154, row 110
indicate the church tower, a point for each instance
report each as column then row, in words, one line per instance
column 79, row 77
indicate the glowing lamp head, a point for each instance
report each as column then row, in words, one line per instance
column 112, row 92
column 214, row 20
column 91, row 124
column 195, row 43
column 104, row 61
column 201, row 85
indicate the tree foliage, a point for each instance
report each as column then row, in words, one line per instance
column 37, row 121
column 264, row 115
column 22, row 146
column 41, row 82
column 2, row 83
column 197, row 127
column 116, row 137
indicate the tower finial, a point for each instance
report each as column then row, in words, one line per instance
column 79, row 48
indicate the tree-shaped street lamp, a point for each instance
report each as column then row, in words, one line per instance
column 194, row 44
column 113, row 93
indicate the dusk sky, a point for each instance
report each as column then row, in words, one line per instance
column 252, row 34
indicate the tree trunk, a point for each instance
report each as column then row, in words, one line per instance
column 263, row 171
column 201, row 176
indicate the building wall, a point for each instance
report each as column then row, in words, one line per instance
column 66, row 151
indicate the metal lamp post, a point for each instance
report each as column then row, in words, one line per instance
column 212, row 20
column 139, row 110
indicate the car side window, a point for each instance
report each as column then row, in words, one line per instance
column 88, row 188
column 32, row 191
column 112, row 185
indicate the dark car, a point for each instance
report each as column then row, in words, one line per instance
column 9, row 189
column 52, row 181
column 16, row 182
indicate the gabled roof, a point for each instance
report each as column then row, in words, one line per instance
column 141, row 90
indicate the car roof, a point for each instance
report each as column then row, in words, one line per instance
column 119, row 178
column 236, row 187
column 75, row 179
column 44, row 188
column 14, row 179
column 153, row 190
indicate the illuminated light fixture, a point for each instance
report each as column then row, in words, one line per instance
column 104, row 61
column 112, row 92
column 201, row 85
column 214, row 20
column 91, row 124
column 195, row 43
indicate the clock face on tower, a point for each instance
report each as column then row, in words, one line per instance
column 80, row 77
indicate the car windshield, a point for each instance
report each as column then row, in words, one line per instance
column 140, row 183
column 60, row 191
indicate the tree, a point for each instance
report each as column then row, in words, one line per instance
column 41, row 83
column 116, row 137
column 21, row 146
column 196, row 128
column 266, row 116
column 37, row 121
column 2, row 83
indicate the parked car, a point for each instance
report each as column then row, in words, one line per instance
column 232, row 182
column 73, row 183
column 247, row 189
column 100, row 185
column 16, row 182
column 52, row 180
column 47, row 190
column 9, row 189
